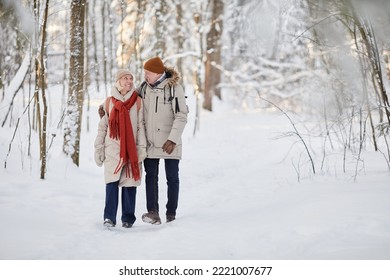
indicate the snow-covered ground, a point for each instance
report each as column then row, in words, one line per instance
column 240, row 199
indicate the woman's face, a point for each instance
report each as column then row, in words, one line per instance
column 126, row 82
column 151, row 77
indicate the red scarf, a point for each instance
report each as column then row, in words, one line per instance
column 121, row 127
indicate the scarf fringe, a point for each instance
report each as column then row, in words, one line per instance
column 132, row 170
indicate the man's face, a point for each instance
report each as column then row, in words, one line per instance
column 126, row 82
column 151, row 77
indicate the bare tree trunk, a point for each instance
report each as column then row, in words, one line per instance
column 42, row 76
column 2, row 88
column 104, row 46
column 180, row 35
column 196, row 72
column 63, row 98
column 137, row 32
column 36, row 115
column 37, row 121
column 363, row 69
column 213, row 55
column 72, row 131
column 122, row 60
column 111, row 48
column 386, row 55
column 87, row 74
column 94, row 42
column 160, row 27
column 136, row 35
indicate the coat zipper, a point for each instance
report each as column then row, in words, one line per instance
column 156, row 103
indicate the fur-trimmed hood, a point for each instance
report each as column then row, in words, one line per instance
column 173, row 76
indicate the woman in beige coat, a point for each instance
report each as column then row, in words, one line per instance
column 120, row 146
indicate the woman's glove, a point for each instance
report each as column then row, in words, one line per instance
column 99, row 155
column 101, row 111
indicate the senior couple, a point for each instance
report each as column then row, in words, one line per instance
column 141, row 125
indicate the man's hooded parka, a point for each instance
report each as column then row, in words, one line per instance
column 165, row 113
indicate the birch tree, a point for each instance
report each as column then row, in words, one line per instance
column 74, row 112
column 42, row 74
column 213, row 54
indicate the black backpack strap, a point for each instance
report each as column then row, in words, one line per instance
column 142, row 89
column 172, row 96
column 177, row 108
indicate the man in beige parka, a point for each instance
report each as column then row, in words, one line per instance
column 165, row 113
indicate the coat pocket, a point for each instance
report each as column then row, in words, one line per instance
column 161, row 134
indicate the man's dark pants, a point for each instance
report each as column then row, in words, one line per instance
column 172, row 175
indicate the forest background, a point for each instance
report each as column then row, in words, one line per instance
column 325, row 65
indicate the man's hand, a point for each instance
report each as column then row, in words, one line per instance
column 168, row 147
column 101, row 111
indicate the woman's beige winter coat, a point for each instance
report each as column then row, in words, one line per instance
column 107, row 149
column 165, row 116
